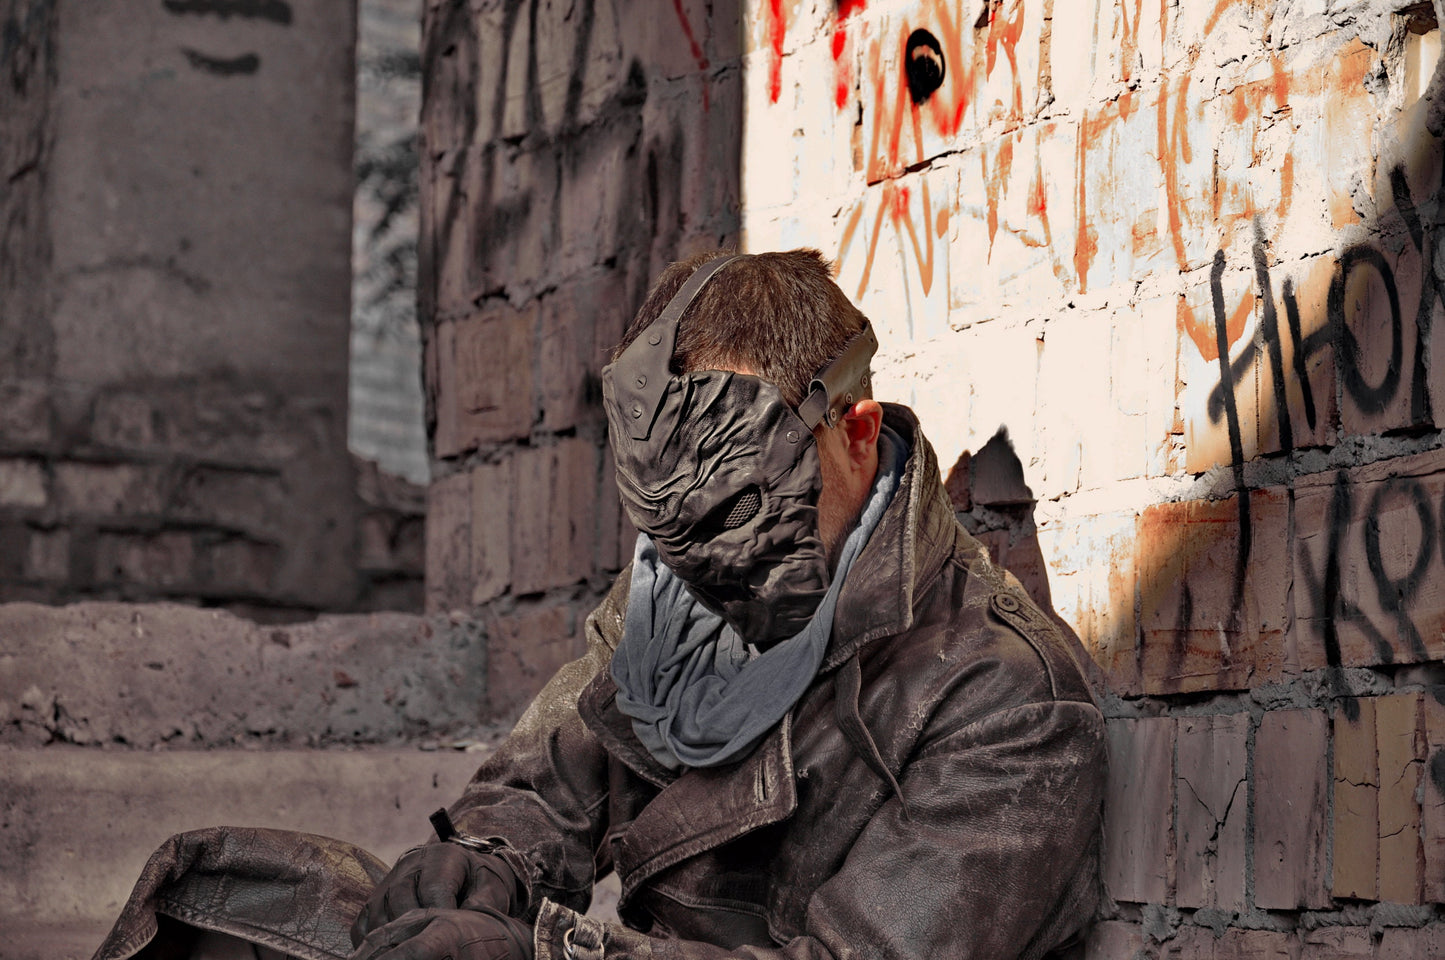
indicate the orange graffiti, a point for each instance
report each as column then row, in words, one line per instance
column 896, row 118
column 1178, row 118
column 1006, row 33
column 1086, row 239
column 1201, row 332
column 1173, row 146
column 996, row 183
column 1091, row 130
column 894, row 205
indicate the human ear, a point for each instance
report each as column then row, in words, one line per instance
column 861, row 424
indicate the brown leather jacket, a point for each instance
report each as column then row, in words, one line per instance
column 935, row 793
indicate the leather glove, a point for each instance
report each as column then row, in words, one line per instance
column 442, row 876
column 480, row 934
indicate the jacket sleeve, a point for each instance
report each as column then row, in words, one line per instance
column 544, row 791
column 996, row 859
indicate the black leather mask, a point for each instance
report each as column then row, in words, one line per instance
column 724, row 476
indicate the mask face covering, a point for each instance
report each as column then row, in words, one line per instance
column 724, row 476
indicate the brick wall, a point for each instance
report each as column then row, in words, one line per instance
column 174, row 288
column 1161, row 281
column 570, row 151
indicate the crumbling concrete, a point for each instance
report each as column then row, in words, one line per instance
column 164, row 675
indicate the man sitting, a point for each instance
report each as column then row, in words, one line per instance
column 814, row 720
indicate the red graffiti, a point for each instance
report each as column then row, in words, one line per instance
column 842, row 75
column 1149, row 130
column 697, row 52
column 777, row 34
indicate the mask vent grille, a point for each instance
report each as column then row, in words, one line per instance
column 744, row 509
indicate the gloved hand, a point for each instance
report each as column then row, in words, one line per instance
column 443, row 876
column 479, row 934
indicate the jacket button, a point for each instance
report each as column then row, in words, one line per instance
column 1007, row 603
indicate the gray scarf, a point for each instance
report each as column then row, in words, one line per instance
column 697, row 695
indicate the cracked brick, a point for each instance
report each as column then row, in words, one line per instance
column 1291, row 813
column 1138, row 839
column 1356, row 812
column 1420, row 943
column 1211, row 812
column 1432, row 794
column 1239, row 944
column 1400, row 737
column 1336, row 943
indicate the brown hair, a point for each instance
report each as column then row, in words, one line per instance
column 779, row 314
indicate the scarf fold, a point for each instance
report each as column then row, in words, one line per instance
column 697, row 695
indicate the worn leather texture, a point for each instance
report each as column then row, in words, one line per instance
column 441, row 876
column 959, row 818
column 977, row 710
column 477, row 933
column 293, row 892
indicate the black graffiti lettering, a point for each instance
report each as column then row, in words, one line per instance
column 1437, row 771
column 1396, row 594
column 1236, row 442
column 1346, row 328
column 1269, row 329
column 1370, row 398
column 1301, row 356
column 230, row 67
column 1420, row 405
column 1324, row 592
column 1183, row 623
column 1337, row 332
column 277, row 11
column 923, row 65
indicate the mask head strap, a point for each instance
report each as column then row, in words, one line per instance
column 841, row 383
column 640, row 375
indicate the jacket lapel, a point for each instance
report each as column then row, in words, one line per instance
column 698, row 809
column 598, row 708
column 708, row 807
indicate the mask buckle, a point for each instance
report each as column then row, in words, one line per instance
column 640, row 376
column 841, row 383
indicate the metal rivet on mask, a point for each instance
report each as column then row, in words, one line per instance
column 637, row 411
column 864, row 381
column 655, row 339
column 642, row 381
column 848, row 399
column 793, row 436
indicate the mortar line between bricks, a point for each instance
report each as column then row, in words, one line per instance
column 1329, row 866
column 1249, row 802
column 1171, row 877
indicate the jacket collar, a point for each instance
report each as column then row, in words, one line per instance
column 704, row 809
column 709, row 807
column 912, row 541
